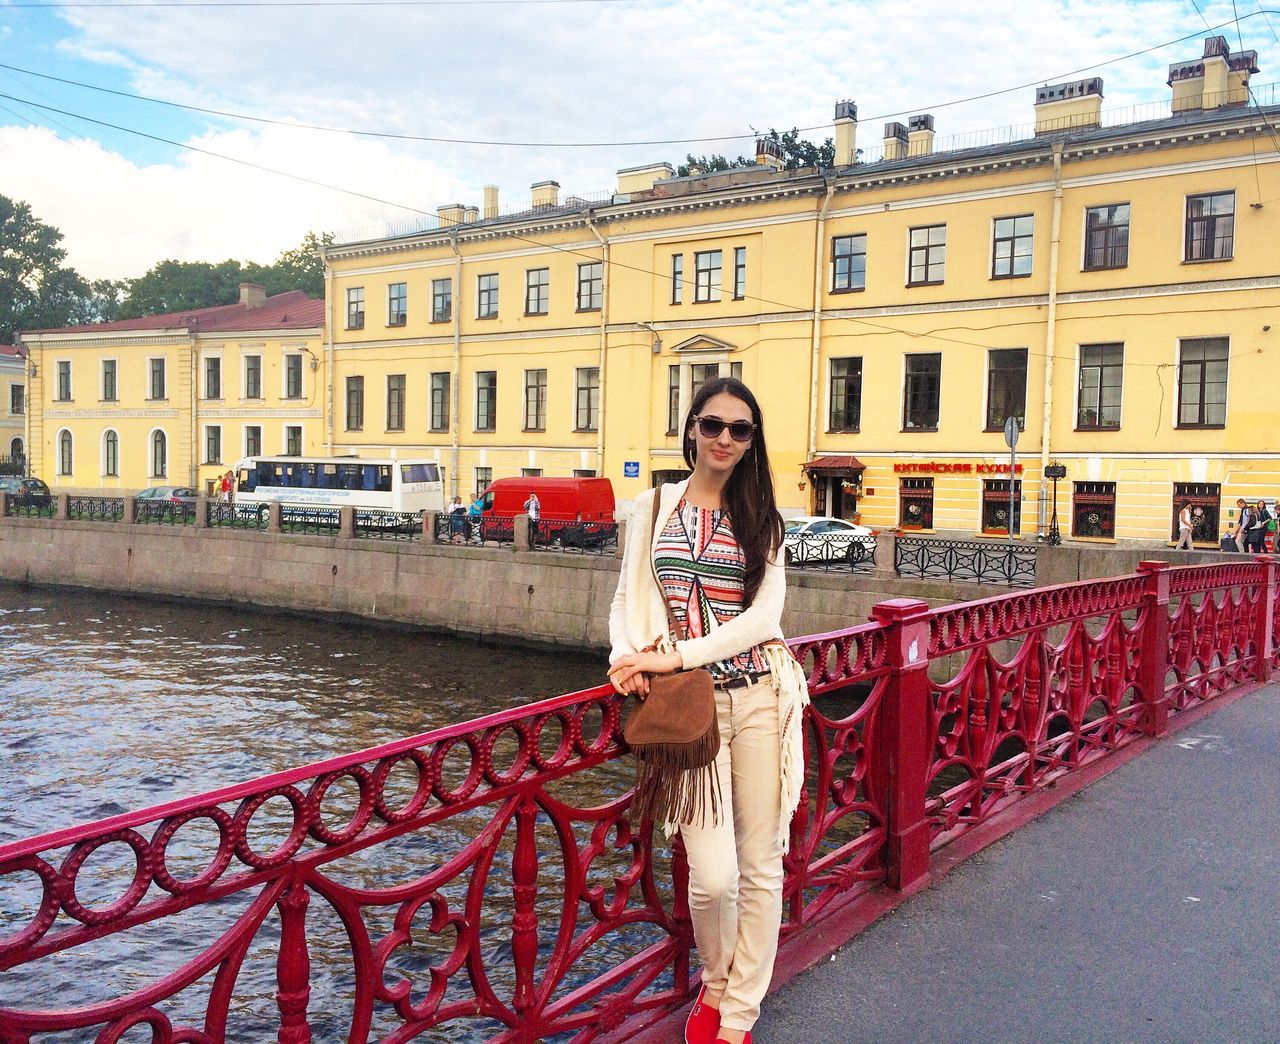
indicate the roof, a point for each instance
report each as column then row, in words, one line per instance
column 13, row 350
column 845, row 462
column 288, row 311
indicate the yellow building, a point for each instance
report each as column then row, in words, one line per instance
column 1107, row 278
column 175, row 399
column 13, row 407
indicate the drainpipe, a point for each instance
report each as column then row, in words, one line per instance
column 195, row 405
column 819, row 281
column 1050, row 338
column 604, row 322
column 456, row 379
column 328, row 358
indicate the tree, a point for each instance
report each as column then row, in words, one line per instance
column 301, row 268
column 31, row 269
column 797, row 152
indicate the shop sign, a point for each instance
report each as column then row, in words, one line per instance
column 934, row 467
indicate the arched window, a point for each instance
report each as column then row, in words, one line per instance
column 64, row 452
column 15, row 450
column 159, row 455
column 111, row 454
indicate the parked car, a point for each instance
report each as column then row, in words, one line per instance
column 27, row 492
column 165, row 501
column 812, row 538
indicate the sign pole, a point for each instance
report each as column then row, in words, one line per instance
column 1011, row 440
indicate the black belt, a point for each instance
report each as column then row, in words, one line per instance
column 740, row 681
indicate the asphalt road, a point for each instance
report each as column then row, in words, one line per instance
column 1144, row 908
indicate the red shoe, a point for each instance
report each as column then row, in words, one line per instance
column 703, row 1023
column 721, row 1040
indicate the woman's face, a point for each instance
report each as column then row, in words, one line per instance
column 721, row 454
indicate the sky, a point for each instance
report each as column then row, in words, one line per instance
column 147, row 181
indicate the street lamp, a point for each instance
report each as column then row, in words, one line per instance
column 1055, row 471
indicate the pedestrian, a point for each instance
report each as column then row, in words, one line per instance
column 533, row 508
column 474, row 513
column 457, row 520
column 228, row 485
column 1242, row 522
column 712, row 553
column 1185, row 527
column 1255, row 536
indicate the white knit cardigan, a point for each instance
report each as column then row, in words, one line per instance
column 638, row 618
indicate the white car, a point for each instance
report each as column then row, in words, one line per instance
column 811, row 538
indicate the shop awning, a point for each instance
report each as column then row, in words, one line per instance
column 842, row 464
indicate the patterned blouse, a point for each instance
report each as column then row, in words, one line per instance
column 701, row 569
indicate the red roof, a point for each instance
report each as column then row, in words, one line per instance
column 289, row 311
column 835, row 462
column 13, row 350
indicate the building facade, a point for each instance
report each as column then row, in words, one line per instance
column 13, row 407
column 175, row 399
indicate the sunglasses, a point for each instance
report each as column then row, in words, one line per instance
column 711, row 427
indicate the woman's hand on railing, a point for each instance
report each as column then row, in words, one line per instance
column 630, row 675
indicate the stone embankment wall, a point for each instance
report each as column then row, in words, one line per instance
column 537, row 597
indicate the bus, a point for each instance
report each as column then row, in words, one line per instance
column 332, row 482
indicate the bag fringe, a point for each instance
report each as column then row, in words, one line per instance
column 678, row 783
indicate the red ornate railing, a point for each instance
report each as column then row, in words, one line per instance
column 521, row 902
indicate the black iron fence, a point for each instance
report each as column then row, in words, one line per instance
column 16, row 507
column 374, row 524
column 977, row 561
column 467, row 529
column 13, row 465
column 236, row 516
column 96, row 509
column 306, row 518
column 830, row 551
column 165, row 512
column 600, row 538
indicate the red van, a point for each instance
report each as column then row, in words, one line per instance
column 562, row 500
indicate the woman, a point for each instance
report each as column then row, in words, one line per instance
column 1255, row 537
column 715, row 552
column 1184, row 529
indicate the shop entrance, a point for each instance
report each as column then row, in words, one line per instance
column 837, row 486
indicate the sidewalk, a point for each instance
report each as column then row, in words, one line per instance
column 1144, row 908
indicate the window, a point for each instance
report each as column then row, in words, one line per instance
column 355, row 404
column 253, row 440
column 65, row 454
column 1011, row 245
column 703, row 372
column 530, row 472
column 109, row 380
column 213, row 377
column 355, row 308
column 1106, row 237
column 739, row 273
column 111, row 455
column 253, row 376
column 848, row 263
column 486, row 400
column 1202, row 383
column 439, row 402
column 159, row 455
column 587, row 399
column 995, row 506
column 64, row 383
column 584, row 472
column 1093, row 510
column 1210, row 227
column 1205, row 499
column 735, row 370
column 213, row 444
column 706, row 274
column 922, row 391
column 928, row 255
column 293, row 440
column 487, row 297
column 17, row 399
column 673, row 400
column 537, row 291
column 535, row 400
column 293, row 376
column 846, row 394
column 677, row 278
column 590, row 286
column 915, row 503
column 1006, row 387
column 1101, row 377
column 441, row 300
column 156, row 387
column 397, row 304
column 395, row 402
column 484, row 476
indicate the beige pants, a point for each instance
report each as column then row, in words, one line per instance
column 1184, row 539
column 735, row 866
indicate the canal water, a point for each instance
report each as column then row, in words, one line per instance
column 110, row 704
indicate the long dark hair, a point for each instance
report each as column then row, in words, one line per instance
column 748, row 495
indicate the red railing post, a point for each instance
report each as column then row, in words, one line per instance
column 524, row 921
column 293, row 966
column 1155, row 647
column 1266, row 617
column 905, row 734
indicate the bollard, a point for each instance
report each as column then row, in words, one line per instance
column 64, row 507
column 622, row 540
column 4, row 504
column 429, row 527
column 275, row 517
column 886, row 551
column 202, row 512
column 522, row 533
column 347, row 522
column 130, row 514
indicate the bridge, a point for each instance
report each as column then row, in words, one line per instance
column 541, row 912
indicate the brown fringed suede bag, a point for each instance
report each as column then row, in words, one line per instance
column 675, row 738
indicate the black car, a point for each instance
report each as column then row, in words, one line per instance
column 26, row 492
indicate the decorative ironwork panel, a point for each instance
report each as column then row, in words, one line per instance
column 96, row 509
column 388, row 525
column 1213, row 630
column 599, row 538
column 237, row 516
column 979, row 561
column 14, row 509
column 303, row 518
column 827, row 551
column 164, row 512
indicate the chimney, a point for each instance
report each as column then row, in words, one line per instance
column 490, row 202
column 471, row 215
column 895, row 141
column 451, row 214
column 846, row 134
column 641, row 179
column 546, row 194
column 768, row 154
column 1216, row 80
column 1069, row 106
column 920, row 135
column 253, row 295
